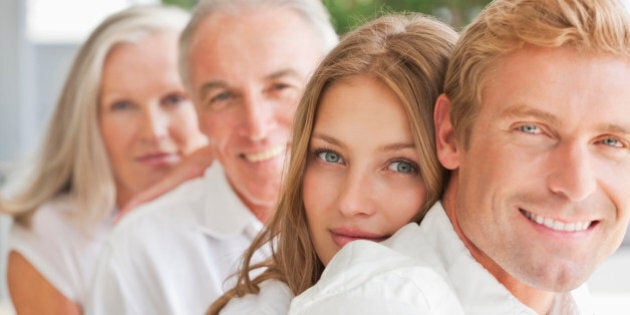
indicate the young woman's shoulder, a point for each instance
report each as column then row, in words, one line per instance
column 273, row 299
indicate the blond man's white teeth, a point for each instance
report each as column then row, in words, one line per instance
column 557, row 225
column 265, row 155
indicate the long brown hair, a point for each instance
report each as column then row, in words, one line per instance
column 409, row 54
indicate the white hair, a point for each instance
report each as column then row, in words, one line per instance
column 72, row 159
column 313, row 12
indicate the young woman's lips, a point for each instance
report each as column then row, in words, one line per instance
column 343, row 236
column 159, row 159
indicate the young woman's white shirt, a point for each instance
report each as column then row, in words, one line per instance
column 423, row 269
column 274, row 298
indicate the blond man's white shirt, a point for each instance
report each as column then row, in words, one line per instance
column 422, row 269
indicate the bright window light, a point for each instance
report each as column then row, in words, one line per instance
column 69, row 20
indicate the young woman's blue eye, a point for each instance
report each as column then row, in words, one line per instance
column 329, row 156
column 403, row 167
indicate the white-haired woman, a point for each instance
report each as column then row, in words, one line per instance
column 123, row 120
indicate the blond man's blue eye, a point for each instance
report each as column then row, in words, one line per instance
column 612, row 142
column 529, row 128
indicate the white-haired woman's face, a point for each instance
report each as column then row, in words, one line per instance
column 146, row 119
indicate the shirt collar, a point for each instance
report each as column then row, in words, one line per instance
column 225, row 215
column 480, row 292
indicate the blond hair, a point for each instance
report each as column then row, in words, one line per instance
column 505, row 26
column 72, row 158
column 409, row 54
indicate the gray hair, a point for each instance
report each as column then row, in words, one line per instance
column 72, row 159
column 312, row 11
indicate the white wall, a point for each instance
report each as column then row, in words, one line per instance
column 30, row 80
column 13, row 47
column 13, row 50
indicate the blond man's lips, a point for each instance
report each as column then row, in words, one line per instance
column 556, row 225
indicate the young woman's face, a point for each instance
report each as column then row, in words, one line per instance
column 362, row 178
column 145, row 117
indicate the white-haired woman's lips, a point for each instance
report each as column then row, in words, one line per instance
column 159, row 159
column 265, row 155
column 556, row 225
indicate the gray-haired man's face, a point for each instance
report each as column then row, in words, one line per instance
column 247, row 73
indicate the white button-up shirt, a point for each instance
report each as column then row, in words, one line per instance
column 422, row 269
column 61, row 247
column 273, row 299
column 173, row 255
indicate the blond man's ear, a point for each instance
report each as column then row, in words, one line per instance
column 446, row 141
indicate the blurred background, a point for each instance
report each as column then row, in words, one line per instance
column 38, row 39
column 347, row 14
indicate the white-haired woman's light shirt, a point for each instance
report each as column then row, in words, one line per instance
column 61, row 247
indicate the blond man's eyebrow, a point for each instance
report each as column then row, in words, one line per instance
column 528, row 111
column 613, row 128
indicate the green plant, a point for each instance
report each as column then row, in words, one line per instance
column 348, row 14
